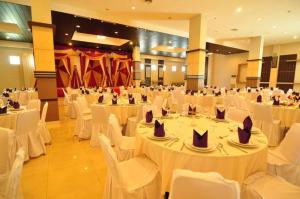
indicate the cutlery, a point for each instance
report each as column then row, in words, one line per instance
column 183, row 145
column 171, row 143
column 239, row 148
column 218, row 147
column 222, row 147
column 170, row 140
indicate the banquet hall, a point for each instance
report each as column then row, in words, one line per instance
column 149, row 99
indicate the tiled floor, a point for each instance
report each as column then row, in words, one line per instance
column 70, row 169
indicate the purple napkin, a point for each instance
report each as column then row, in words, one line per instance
column 100, row 99
column 247, row 123
column 82, row 91
column 112, row 91
column 114, row 100
column 259, row 99
column 129, row 95
column 244, row 135
column 200, row 140
column 5, row 94
column 238, row 90
column 149, row 117
column 204, row 94
column 164, row 112
column 3, row 109
column 131, row 100
column 192, row 111
column 16, row 105
column 144, row 98
column 10, row 102
column 276, row 101
column 87, row 92
column 249, row 90
column 159, row 130
column 220, row 114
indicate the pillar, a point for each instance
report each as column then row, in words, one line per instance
column 254, row 61
column 43, row 48
column 196, row 53
column 136, row 55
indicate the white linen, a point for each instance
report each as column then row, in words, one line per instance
column 236, row 166
column 42, row 126
column 195, row 185
column 83, row 126
column 134, row 178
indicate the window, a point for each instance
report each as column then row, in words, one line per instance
column 14, row 60
column 142, row 66
column 183, row 68
column 174, row 68
column 153, row 67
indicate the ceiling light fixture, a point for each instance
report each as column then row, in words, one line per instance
column 97, row 46
column 229, row 52
column 132, row 7
column 77, row 26
column 239, row 9
column 170, row 42
column 70, row 44
column 274, row 27
column 116, row 32
column 131, row 43
column 120, row 49
column 295, row 37
column 101, row 37
column 66, row 34
column 259, row 19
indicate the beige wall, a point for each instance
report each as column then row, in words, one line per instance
column 16, row 75
column 284, row 49
column 169, row 76
column 223, row 66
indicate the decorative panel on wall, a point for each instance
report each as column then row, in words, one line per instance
column 286, row 71
column 266, row 71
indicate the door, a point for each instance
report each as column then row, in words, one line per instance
column 286, row 71
column 148, row 72
column 161, row 72
column 266, row 71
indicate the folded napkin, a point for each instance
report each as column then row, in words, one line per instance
column 82, row 91
column 200, row 140
column 249, row 90
column 149, row 117
column 10, row 102
column 100, row 99
column 87, row 92
column 3, row 109
column 192, row 92
column 164, row 112
column 276, row 101
column 238, row 90
column 244, row 135
column 259, row 99
column 129, row 95
column 220, row 114
column 16, row 105
column 192, row 111
column 159, row 130
column 5, row 94
column 144, row 98
column 114, row 99
column 131, row 100
column 204, row 94
column 151, row 88
column 112, row 91
column 247, row 123
column 187, row 92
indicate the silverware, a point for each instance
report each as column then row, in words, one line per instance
column 239, row 148
column 218, row 147
column 222, row 147
column 170, row 141
column 223, row 136
column 174, row 141
column 183, row 145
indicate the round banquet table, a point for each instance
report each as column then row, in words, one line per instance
column 9, row 120
column 123, row 110
column 198, row 99
column 237, row 165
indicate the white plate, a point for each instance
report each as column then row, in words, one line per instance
column 254, row 130
column 207, row 149
column 220, row 120
column 235, row 141
column 147, row 124
column 18, row 109
column 153, row 137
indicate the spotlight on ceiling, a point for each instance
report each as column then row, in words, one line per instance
column 101, row 37
column 77, row 26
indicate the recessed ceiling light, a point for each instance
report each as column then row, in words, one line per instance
column 132, row 7
column 295, row 37
column 28, row 29
column 274, row 27
column 66, row 34
column 75, row 16
column 116, row 32
column 77, row 26
column 170, row 42
column 285, row 33
column 217, row 50
column 7, row 37
column 97, row 46
column 101, row 37
column 120, row 49
column 70, row 44
column 131, row 43
column 239, row 9
column 229, row 52
column 259, row 19
column 170, row 47
column 234, row 29
column 107, row 9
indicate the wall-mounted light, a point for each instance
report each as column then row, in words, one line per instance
column 183, row 68
column 14, row 60
column 153, row 67
column 174, row 68
column 142, row 66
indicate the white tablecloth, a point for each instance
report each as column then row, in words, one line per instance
column 238, row 165
column 122, row 110
column 198, row 99
column 9, row 120
column 287, row 115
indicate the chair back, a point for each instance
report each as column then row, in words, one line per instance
column 237, row 115
column 82, row 102
column 44, row 113
column 27, row 121
column 195, row 185
column 100, row 117
column 34, row 104
column 115, row 129
column 13, row 182
column 23, row 98
column 290, row 145
column 111, row 159
column 5, row 147
column 262, row 112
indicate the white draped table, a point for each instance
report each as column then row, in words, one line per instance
column 237, row 165
column 9, row 120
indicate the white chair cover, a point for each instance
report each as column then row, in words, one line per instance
column 195, row 185
column 262, row 186
column 262, row 114
column 284, row 161
column 42, row 127
column 13, row 182
column 83, row 104
column 23, row 98
column 34, row 104
column 124, row 145
column 83, row 126
column 237, row 114
column 99, row 123
column 131, row 179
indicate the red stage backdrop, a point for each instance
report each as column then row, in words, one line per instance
column 96, row 68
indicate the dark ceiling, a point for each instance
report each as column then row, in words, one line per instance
column 66, row 23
